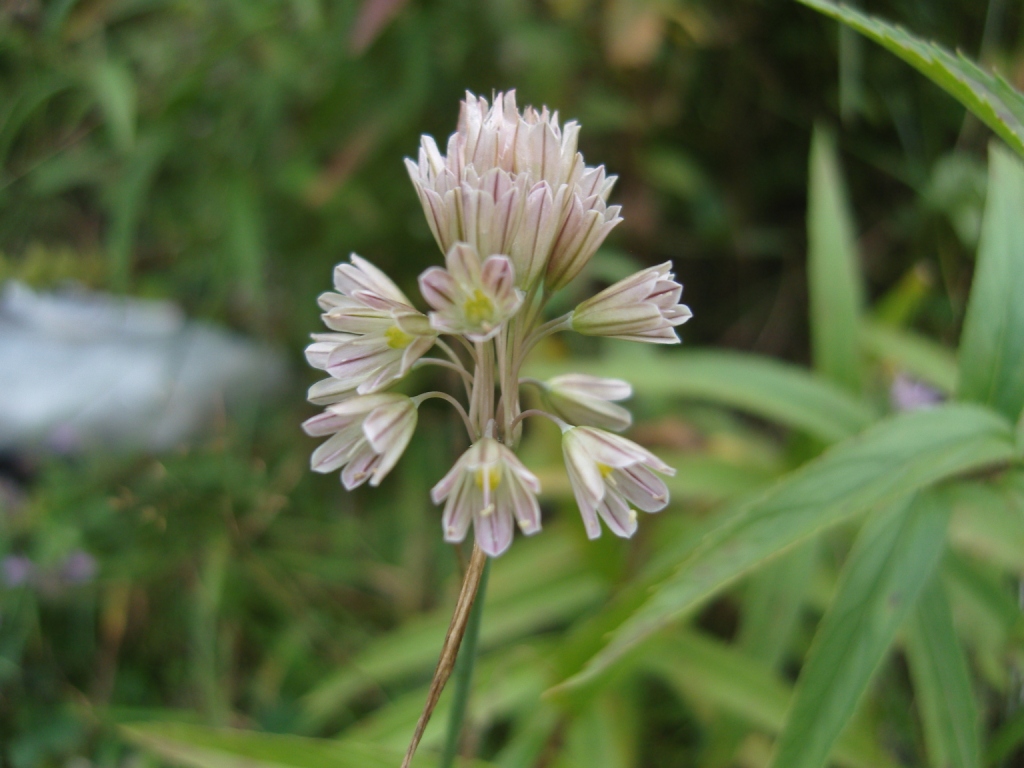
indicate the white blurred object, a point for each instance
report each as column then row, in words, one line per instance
column 80, row 369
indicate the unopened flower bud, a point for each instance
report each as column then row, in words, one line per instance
column 515, row 185
column 608, row 473
column 588, row 400
column 643, row 307
column 585, row 223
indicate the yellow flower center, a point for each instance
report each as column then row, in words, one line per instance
column 607, row 474
column 478, row 308
column 397, row 338
column 492, row 476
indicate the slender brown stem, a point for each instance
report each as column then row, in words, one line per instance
column 450, row 649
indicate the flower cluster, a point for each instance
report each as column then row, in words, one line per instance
column 517, row 214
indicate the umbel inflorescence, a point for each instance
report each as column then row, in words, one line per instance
column 518, row 215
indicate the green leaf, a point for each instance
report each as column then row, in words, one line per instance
column 942, row 683
column 910, row 352
column 987, row 616
column 126, row 202
column 19, row 107
column 530, row 588
column 602, row 735
column 1006, row 740
column 987, row 525
column 776, row 391
column 531, row 737
column 698, row 476
column 506, row 684
column 992, row 100
column 898, row 456
column 833, row 271
column 245, row 238
column 114, row 89
column 204, row 747
column 892, row 559
column 774, row 601
column 992, row 345
column 709, row 672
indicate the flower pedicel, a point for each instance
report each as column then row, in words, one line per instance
column 517, row 215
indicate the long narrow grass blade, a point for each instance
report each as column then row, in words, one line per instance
column 991, row 98
column 450, row 649
column 833, row 269
column 892, row 560
column 992, row 343
column 942, row 682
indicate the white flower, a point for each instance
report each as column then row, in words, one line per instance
column 643, row 307
column 608, row 473
column 377, row 337
column 471, row 298
column 515, row 185
column 489, row 487
column 369, row 433
column 588, row 400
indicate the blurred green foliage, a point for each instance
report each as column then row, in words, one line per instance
column 226, row 154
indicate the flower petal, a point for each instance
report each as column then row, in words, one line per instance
column 360, row 467
column 327, row 391
column 620, row 519
column 492, row 529
column 642, row 487
column 334, row 452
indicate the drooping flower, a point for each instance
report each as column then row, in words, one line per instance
column 642, row 307
column 471, row 298
column 489, row 487
column 588, row 400
column 377, row 337
column 369, row 433
column 608, row 473
column 516, row 185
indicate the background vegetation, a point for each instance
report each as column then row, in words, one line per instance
column 859, row 601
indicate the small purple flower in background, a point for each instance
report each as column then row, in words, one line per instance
column 12, row 497
column 79, row 567
column 909, row 394
column 64, row 440
column 18, row 570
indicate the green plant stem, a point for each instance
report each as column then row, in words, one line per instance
column 464, row 673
